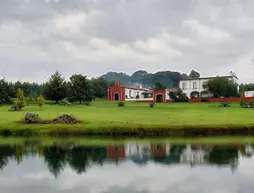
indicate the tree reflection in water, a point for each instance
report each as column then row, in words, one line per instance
column 80, row 158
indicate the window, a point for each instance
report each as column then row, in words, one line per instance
column 184, row 85
column 194, row 85
column 130, row 93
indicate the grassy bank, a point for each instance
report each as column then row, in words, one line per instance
column 103, row 117
column 98, row 141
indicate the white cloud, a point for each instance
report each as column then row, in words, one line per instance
column 70, row 23
column 206, row 33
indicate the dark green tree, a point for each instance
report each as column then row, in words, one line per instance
column 221, row 87
column 56, row 88
column 80, row 88
column 194, row 74
column 159, row 86
column 99, row 87
column 246, row 87
column 5, row 92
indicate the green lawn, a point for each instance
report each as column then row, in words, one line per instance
column 105, row 116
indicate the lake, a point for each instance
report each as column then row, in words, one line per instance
column 128, row 167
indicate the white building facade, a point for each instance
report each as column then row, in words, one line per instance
column 193, row 87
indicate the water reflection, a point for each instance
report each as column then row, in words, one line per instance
column 79, row 158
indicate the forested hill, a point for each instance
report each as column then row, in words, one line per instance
column 169, row 79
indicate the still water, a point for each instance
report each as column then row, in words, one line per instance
column 130, row 167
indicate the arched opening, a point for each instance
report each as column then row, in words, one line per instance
column 159, row 98
column 195, row 95
column 205, row 94
column 116, row 97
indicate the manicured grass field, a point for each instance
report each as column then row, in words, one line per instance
column 104, row 116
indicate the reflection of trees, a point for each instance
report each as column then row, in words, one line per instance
column 6, row 152
column 223, row 155
column 19, row 153
column 79, row 158
column 55, row 159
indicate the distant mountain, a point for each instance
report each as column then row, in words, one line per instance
column 169, row 79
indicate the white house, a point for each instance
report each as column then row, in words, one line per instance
column 193, row 156
column 193, row 87
column 249, row 93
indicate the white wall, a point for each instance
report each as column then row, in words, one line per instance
column 133, row 93
column 249, row 93
column 189, row 86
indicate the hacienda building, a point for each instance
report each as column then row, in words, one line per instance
column 193, row 87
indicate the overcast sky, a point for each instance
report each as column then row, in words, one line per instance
column 96, row 36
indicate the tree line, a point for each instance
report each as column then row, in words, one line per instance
column 77, row 89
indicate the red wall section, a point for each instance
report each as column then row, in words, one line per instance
column 231, row 99
column 159, row 152
column 162, row 92
column 115, row 152
column 116, row 89
column 195, row 100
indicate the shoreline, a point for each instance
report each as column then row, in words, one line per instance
column 132, row 131
column 92, row 141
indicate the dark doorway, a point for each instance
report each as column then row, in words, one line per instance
column 116, row 97
column 159, row 98
column 195, row 95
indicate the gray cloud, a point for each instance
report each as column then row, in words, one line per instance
column 93, row 37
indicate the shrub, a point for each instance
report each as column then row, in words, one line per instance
column 173, row 96
column 41, row 101
column 87, row 103
column 242, row 100
column 178, row 97
column 151, row 105
column 247, row 104
column 65, row 102
column 251, row 102
column 182, row 97
column 137, row 97
column 204, row 100
column 121, row 104
column 225, row 104
column 20, row 101
column 14, row 108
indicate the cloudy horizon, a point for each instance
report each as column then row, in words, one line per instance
column 94, row 37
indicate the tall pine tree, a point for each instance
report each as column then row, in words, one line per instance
column 56, row 88
column 80, row 88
